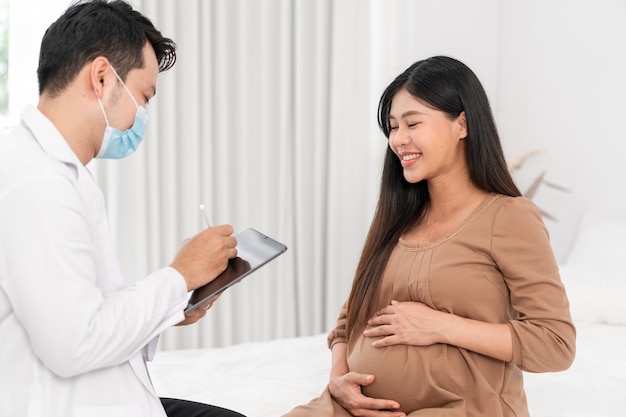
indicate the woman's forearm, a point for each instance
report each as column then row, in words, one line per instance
column 339, row 364
column 490, row 339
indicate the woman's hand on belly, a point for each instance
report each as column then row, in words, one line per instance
column 414, row 323
column 346, row 390
column 407, row 323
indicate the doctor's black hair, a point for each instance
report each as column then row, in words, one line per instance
column 89, row 29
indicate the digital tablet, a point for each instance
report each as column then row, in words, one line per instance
column 254, row 250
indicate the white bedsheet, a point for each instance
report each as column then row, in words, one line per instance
column 267, row 379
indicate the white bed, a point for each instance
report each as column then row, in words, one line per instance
column 267, row 379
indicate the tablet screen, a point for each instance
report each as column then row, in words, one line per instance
column 254, row 249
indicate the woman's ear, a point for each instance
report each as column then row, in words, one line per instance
column 98, row 71
column 462, row 125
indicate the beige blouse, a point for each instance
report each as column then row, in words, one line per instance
column 497, row 267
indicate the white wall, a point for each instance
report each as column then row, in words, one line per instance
column 554, row 72
column 562, row 89
column 26, row 30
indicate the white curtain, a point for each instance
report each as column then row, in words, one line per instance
column 269, row 120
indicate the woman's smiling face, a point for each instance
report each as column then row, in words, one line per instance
column 427, row 141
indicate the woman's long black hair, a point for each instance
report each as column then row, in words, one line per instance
column 448, row 85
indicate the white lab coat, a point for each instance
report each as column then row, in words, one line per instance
column 73, row 339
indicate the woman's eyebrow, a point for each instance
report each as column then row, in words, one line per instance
column 408, row 113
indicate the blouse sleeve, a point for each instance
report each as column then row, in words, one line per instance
column 544, row 337
column 338, row 334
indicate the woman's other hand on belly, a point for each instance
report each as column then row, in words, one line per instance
column 346, row 389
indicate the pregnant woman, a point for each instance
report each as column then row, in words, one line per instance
column 457, row 290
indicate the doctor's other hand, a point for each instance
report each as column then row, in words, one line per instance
column 195, row 315
column 205, row 255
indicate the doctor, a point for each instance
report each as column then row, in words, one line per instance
column 73, row 339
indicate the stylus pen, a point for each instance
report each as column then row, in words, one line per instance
column 205, row 216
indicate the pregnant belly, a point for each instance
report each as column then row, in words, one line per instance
column 416, row 376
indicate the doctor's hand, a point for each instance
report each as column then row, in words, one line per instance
column 195, row 315
column 346, row 390
column 204, row 256
column 408, row 323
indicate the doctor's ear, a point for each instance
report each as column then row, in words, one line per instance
column 99, row 70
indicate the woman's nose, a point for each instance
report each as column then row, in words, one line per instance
column 399, row 139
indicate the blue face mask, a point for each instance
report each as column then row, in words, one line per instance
column 117, row 144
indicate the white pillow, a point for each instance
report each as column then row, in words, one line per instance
column 597, row 294
column 600, row 240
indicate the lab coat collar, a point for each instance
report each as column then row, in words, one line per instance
column 49, row 138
